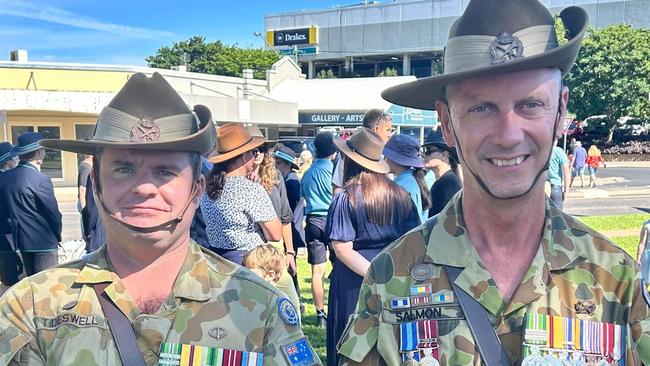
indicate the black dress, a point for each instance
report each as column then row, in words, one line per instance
column 442, row 190
column 345, row 223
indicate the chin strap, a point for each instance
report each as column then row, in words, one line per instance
column 544, row 169
column 149, row 229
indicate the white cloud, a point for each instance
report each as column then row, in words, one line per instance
column 27, row 9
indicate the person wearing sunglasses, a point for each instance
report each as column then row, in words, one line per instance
column 442, row 160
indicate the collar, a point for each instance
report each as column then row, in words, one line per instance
column 29, row 165
column 561, row 248
column 192, row 283
column 323, row 161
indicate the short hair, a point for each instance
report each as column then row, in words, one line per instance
column 372, row 117
column 267, row 258
column 30, row 155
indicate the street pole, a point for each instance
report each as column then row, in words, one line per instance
column 295, row 54
column 266, row 44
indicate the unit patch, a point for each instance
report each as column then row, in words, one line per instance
column 287, row 311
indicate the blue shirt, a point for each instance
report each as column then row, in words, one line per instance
column 406, row 180
column 555, row 164
column 316, row 187
column 579, row 157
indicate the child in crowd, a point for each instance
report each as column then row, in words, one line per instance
column 265, row 261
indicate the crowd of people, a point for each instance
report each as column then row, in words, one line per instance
column 423, row 272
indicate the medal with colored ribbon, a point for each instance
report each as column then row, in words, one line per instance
column 419, row 343
column 571, row 340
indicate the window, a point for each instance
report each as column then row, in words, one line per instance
column 52, row 164
column 83, row 132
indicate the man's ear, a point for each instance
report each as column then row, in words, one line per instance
column 442, row 107
column 564, row 100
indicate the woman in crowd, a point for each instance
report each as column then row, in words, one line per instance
column 306, row 159
column 367, row 214
column 443, row 161
column 238, row 213
column 594, row 159
column 402, row 154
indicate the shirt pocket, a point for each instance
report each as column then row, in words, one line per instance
column 71, row 344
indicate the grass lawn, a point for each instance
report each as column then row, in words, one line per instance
column 601, row 223
column 615, row 222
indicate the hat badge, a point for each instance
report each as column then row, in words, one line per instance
column 146, row 130
column 505, row 47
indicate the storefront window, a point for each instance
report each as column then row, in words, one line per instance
column 83, row 132
column 52, row 164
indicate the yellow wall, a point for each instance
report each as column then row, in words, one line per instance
column 66, row 123
column 62, row 80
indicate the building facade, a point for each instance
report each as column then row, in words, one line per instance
column 406, row 36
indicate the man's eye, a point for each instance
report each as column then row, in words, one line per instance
column 166, row 173
column 532, row 105
column 479, row 109
column 124, row 170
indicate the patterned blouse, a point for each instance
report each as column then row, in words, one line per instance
column 231, row 219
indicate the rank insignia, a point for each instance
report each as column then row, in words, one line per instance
column 505, row 47
column 443, row 297
column 217, row 333
column 582, row 308
column 287, row 312
column 400, row 303
column 146, row 130
column 421, row 272
column 422, row 289
column 176, row 354
column 299, row 353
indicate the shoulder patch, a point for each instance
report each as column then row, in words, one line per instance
column 287, row 312
column 299, row 353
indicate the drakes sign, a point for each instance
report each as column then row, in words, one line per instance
column 290, row 37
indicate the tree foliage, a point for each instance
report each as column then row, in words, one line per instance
column 612, row 75
column 389, row 71
column 213, row 58
column 325, row 74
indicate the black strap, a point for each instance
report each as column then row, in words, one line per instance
column 121, row 329
column 485, row 336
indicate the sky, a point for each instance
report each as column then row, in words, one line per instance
column 127, row 31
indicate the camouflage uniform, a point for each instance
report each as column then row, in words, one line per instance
column 215, row 303
column 574, row 267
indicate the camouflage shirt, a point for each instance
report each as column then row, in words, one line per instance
column 576, row 273
column 55, row 318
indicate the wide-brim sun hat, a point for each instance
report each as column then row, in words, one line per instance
column 404, row 150
column 255, row 131
column 495, row 37
column 233, row 139
column 365, row 148
column 285, row 153
column 6, row 152
column 147, row 113
column 28, row 142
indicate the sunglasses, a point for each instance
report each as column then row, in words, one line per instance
column 428, row 150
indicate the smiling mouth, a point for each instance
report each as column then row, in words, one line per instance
column 511, row 162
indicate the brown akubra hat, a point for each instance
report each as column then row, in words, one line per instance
column 233, row 139
column 147, row 113
column 364, row 148
column 494, row 37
